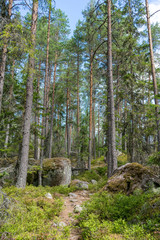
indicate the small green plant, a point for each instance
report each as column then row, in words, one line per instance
column 3, row 174
column 154, row 159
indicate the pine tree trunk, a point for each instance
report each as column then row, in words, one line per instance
column 153, row 74
column 52, row 109
column 67, row 120
column 36, row 139
column 78, row 116
column 22, row 175
column 10, row 102
column 98, row 130
column 93, row 129
column 90, row 114
column 2, row 72
column 70, row 125
column 44, row 118
column 47, row 101
column 46, row 74
column 112, row 163
column 4, row 58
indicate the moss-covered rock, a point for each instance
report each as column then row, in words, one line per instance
column 56, row 171
column 130, row 177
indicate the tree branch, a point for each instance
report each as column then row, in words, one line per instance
column 154, row 13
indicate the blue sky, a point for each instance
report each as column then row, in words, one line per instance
column 73, row 9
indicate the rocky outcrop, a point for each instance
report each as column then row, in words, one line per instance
column 4, row 205
column 56, row 171
column 130, row 177
column 7, row 175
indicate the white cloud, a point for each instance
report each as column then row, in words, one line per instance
column 153, row 7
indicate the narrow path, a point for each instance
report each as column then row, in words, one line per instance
column 71, row 203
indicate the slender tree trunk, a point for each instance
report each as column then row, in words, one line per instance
column 2, row 72
column 10, row 101
column 7, row 137
column 22, row 175
column 90, row 114
column 153, row 74
column 78, row 116
column 44, row 122
column 67, row 120
column 98, row 130
column 36, row 139
column 52, row 109
column 112, row 138
column 70, row 125
column 4, row 58
column 47, row 101
column 93, row 129
column 47, row 73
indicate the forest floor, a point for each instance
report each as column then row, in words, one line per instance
column 68, row 214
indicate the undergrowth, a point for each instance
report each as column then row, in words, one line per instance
column 32, row 214
column 131, row 217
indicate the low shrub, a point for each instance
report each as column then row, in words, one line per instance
column 154, row 159
column 131, row 216
column 32, row 214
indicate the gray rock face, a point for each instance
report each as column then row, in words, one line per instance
column 7, row 175
column 56, row 171
column 79, row 184
column 130, row 177
column 4, row 205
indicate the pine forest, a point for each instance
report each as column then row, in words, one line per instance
column 79, row 121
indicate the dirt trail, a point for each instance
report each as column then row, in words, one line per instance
column 74, row 200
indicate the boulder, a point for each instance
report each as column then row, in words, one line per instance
column 130, row 177
column 80, row 184
column 56, row 171
column 7, row 175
